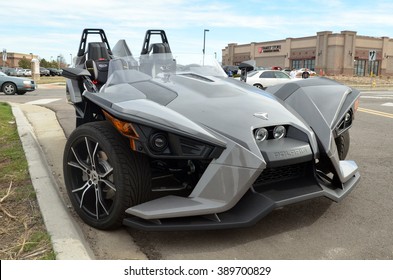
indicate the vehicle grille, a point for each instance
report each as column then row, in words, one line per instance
column 283, row 173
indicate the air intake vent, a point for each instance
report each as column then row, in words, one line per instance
column 198, row 77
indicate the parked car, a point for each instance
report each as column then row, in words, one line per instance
column 23, row 72
column 11, row 85
column 157, row 147
column 304, row 73
column 11, row 71
column 44, row 72
column 55, row 72
column 266, row 78
column 27, row 72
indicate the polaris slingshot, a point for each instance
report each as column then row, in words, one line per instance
column 165, row 142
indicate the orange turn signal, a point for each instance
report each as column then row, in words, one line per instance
column 125, row 128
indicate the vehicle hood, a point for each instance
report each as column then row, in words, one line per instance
column 207, row 107
column 230, row 110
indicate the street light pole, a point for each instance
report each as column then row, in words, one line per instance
column 204, row 41
column 71, row 59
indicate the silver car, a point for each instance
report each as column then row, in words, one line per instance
column 15, row 85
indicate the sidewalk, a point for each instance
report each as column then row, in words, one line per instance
column 68, row 242
column 51, row 86
column 43, row 141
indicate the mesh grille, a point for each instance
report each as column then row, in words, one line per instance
column 282, row 173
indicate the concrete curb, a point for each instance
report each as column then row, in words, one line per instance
column 66, row 238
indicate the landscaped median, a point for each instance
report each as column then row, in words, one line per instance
column 22, row 233
column 58, row 80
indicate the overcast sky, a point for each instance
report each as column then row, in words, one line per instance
column 54, row 27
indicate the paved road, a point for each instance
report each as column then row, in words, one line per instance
column 360, row 227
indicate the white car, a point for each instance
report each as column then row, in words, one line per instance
column 266, row 78
column 303, row 73
column 26, row 72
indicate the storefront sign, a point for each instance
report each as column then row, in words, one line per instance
column 268, row 49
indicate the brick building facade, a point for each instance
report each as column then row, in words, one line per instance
column 344, row 53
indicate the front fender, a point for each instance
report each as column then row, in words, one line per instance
column 323, row 104
column 146, row 112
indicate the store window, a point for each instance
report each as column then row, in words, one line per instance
column 310, row 64
column 365, row 67
column 373, row 68
column 297, row 64
column 303, row 63
column 359, row 67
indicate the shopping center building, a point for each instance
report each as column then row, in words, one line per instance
column 344, row 53
column 12, row 59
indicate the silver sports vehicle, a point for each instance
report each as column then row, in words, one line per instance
column 166, row 142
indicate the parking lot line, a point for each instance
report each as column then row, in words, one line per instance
column 43, row 101
column 377, row 113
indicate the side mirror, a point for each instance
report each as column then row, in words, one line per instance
column 75, row 73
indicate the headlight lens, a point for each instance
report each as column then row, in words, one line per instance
column 279, row 132
column 158, row 142
column 348, row 117
column 261, row 134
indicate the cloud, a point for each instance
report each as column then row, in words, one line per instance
column 54, row 27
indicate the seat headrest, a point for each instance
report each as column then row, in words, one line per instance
column 98, row 51
column 159, row 48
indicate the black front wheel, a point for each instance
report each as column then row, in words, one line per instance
column 103, row 176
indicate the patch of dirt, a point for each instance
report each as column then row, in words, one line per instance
column 22, row 231
column 377, row 81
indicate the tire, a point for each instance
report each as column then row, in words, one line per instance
column 305, row 75
column 103, row 176
column 259, row 86
column 9, row 88
column 343, row 142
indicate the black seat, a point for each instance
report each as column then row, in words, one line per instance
column 157, row 59
column 98, row 62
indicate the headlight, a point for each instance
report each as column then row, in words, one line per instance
column 158, row 142
column 279, row 132
column 348, row 117
column 261, row 134
column 26, row 84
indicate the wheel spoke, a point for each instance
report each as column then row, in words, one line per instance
column 91, row 156
column 86, row 187
column 99, row 202
column 109, row 171
column 77, row 165
column 109, row 184
column 82, row 165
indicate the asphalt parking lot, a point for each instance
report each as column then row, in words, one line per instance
column 357, row 228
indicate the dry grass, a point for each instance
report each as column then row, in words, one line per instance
column 51, row 80
column 22, row 232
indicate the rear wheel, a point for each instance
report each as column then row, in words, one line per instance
column 103, row 176
column 259, row 86
column 305, row 75
column 343, row 142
